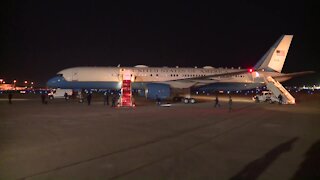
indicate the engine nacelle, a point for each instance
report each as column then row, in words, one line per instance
column 154, row 90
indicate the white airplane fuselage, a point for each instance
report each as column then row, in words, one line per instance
column 163, row 78
column 88, row 76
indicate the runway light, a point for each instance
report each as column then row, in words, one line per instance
column 31, row 82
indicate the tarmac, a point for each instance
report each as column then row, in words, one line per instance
column 71, row 140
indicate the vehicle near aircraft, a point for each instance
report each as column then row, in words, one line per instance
column 265, row 96
column 59, row 93
column 163, row 82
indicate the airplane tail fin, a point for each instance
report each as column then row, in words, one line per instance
column 275, row 57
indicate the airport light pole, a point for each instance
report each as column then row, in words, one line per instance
column 14, row 84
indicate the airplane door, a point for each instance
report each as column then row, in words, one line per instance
column 75, row 76
column 125, row 74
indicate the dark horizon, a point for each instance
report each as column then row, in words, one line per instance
column 41, row 38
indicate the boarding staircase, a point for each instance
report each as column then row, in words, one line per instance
column 276, row 88
column 126, row 93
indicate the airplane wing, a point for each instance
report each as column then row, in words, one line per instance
column 203, row 80
column 210, row 77
column 296, row 74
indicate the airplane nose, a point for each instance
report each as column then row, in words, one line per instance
column 55, row 82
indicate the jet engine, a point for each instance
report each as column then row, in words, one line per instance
column 154, row 91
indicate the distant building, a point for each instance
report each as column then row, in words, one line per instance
column 314, row 87
column 6, row 87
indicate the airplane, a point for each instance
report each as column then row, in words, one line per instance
column 162, row 82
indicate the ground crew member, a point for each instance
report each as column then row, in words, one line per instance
column 280, row 99
column 89, row 96
column 113, row 101
column 217, row 102
column 106, row 99
column 230, row 103
column 66, row 96
column 43, row 98
column 10, row 97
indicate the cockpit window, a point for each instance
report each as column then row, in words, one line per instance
column 60, row 75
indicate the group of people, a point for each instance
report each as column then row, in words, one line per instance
column 114, row 99
column 66, row 97
column 106, row 100
column 217, row 103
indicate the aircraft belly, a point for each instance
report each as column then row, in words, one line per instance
column 230, row 86
column 180, row 85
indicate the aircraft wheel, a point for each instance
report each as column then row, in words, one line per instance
column 192, row 101
column 185, row 100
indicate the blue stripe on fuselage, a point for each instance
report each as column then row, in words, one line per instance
column 60, row 82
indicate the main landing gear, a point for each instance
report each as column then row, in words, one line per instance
column 188, row 100
column 183, row 95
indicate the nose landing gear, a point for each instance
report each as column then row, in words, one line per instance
column 188, row 100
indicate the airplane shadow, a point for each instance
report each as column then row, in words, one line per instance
column 310, row 167
column 254, row 169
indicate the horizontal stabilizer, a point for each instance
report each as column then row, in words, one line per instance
column 296, row 74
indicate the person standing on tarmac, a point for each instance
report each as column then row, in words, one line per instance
column 158, row 100
column 10, row 97
column 230, row 103
column 280, row 99
column 113, row 101
column 43, row 98
column 106, row 99
column 66, row 96
column 217, row 102
column 89, row 96
column 80, row 97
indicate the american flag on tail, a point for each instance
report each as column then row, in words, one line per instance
column 280, row 53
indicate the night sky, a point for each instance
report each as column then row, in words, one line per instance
column 40, row 38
